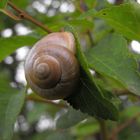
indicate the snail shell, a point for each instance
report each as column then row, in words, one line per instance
column 51, row 68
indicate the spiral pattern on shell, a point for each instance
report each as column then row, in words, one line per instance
column 51, row 68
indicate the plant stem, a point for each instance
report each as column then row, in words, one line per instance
column 42, row 100
column 23, row 15
column 117, row 2
column 122, row 92
column 103, row 129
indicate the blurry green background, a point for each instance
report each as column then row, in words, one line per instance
column 42, row 120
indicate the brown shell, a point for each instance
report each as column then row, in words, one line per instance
column 51, row 69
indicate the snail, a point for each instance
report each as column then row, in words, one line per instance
column 51, row 67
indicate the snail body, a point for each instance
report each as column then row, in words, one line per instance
column 51, row 68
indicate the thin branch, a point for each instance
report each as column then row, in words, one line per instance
column 11, row 15
column 103, row 129
column 123, row 92
column 119, row 128
column 23, row 15
column 42, row 100
column 83, row 8
column 117, row 2
column 120, row 92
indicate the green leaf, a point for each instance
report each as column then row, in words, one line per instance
column 89, row 98
column 39, row 108
column 36, row 112
column 60, row 135
column 21, row 3
column 91, row 3
column 111, row 57
column 91, row 101
column 87, row 128
column 52, row 135
column 90, row 13
column 130, row 111
column 134, row 136
column 9, row 45
column 70, row 118
column 3, row 4
column 124, row 18
column 79, row 23
column 11, row 102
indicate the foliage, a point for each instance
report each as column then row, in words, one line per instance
column 109, row 87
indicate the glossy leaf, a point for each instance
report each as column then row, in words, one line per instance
column 70, row 118
column 9, row 45
column 11, row 102
column 89, row 98
column 111, row 57
column 124, row 18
